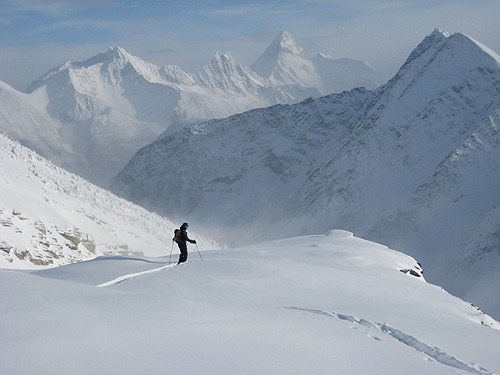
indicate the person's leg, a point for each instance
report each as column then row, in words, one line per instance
column 184, row 253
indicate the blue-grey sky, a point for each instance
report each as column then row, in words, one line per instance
column 38, row 35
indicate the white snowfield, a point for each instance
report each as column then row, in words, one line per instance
column 321, row 304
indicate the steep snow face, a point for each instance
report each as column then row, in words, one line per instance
column 404, row 164
column 49, row 217
column 313, row 304
column 268, row 61
column 285, row 65
column 438, row 100
column 27, row 121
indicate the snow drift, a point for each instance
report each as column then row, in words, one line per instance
column 318, row 304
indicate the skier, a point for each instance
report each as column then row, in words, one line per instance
column 181, row 238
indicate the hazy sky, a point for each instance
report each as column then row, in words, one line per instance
column 38, row 35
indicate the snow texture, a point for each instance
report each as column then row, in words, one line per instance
column 317, row 304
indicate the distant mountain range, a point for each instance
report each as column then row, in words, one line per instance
column 91, row 117
column 414, row 164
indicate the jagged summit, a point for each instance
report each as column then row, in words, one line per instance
column 284, row 63
column 267, row 62
column 116, row 54
column 432, row 39
column 222, row 64
column 440, row 41
column 284, row 44
column 226, row 73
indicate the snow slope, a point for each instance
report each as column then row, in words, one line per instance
column 27, row 121
column 414, row 164
column 99, row 112
column 49, row 217
column 318, row 304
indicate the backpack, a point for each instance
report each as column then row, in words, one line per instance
column 177, row 235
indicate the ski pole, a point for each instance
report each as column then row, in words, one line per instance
column 171, row 249
column 199, row 252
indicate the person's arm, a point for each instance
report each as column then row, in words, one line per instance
column 190, row 240
column 186, row 238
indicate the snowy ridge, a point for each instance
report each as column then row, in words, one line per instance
column 102, row 110
column 49, row 217
column 299, row 305
column 414, row 164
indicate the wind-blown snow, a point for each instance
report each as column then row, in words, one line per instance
column 49, row 217
column 318, row 304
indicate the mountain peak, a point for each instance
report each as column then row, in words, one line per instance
column 223, row 71
column 429, row 41
column 283, row 47
column 221, row 64
column 114, row 55
column 118, row 53
column 222, row 57
column 286, row 43
column 440, row 52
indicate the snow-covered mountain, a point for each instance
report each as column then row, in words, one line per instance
column 323, row 304
column 414, row 164
column 49, row 217
column 27, row 121
column 286, row 66
column 96, row 114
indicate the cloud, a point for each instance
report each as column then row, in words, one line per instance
column 187, row 34
column 52, row 8
column 237, row 10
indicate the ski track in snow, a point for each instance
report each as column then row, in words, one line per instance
column 435, row 353
column 130, row 276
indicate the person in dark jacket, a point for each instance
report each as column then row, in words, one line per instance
column 181, row 242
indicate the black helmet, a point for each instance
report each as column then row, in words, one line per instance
column 184, row 225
